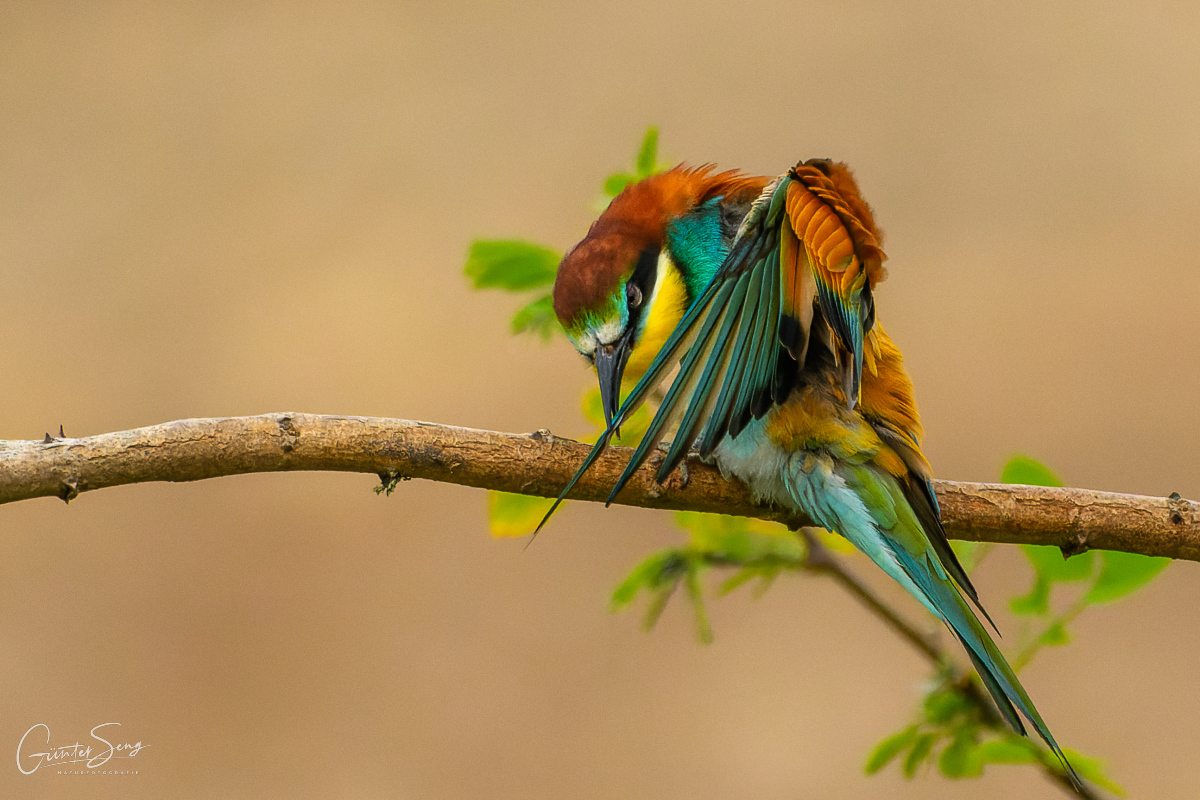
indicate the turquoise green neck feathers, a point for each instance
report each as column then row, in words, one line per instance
column 698, row 243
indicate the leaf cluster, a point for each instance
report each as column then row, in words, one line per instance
column 1103, row 577
column 954, row 733
column 758, row 550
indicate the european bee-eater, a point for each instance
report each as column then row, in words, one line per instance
column 762, row 292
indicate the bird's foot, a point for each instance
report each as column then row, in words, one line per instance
column 676, row 481
column 679, row 478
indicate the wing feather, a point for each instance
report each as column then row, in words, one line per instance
column 682, row 388
column 750, row 383
column 719, row 421
column 702, row 403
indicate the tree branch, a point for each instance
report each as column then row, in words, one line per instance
column 541, row 464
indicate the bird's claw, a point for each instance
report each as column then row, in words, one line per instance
column 678, row 479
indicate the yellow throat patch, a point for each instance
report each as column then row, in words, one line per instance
column 665, row 309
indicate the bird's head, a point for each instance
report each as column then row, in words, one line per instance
column 620, row 292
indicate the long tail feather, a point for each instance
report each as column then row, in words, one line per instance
column 867, row 506
column 994, row 669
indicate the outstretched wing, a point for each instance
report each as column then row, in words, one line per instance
column 803, row 264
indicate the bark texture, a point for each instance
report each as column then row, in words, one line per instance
column 540, row 464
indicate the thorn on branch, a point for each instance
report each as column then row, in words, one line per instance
column 1076, row 545
column 69, row 488
column 1178, row 507
column 389, row 480
column 52, row 439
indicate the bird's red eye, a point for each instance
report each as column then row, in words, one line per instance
column 634, row 294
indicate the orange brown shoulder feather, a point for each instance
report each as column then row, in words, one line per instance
column 833, row 183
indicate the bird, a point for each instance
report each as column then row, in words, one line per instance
column 761, row 292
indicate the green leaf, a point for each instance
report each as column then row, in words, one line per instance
column 744, row 576
column 614, row 184
column 1036, row 602
column 1092, row 769
column 1023, row 469
column 1009, row 750
column 645, row 165
column 515, row 514
column 647, row 159
column 658, row 603
column 718, row 534
column 1049, row 567
column 648, row 575
column 889, row 748
column 1050, row 564
column 593, row 408
column 919, row 753
column 1055, row 635
column 696, row 595
column 660, row 575
column 943, row 705
column 740, row 539
column 965, row 551
column 511, row 264
column 838, row 544
column 766, row 570
column 537, row 318
column 1123, row 573
column 740, row 578
column 960, row 758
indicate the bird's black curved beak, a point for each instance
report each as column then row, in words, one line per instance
column 610, row 365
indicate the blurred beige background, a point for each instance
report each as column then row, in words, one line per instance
column 225, row 209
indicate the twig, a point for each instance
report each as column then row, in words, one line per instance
column 540, row 464
column 818, row 558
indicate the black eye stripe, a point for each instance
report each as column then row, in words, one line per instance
column 646, row 269
column 644, row 273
